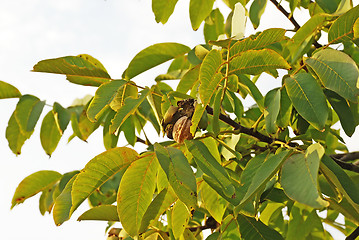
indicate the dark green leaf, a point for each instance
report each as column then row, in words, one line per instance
column 198, row 11
column 33, row 184
column 163, row 9
column 135, row 192
column 101, row 213
column 153, row 56
column 179, row 173
column 8, row 91
column 285, row 109
column 328, row 5
column 337, row 71
column 271, row 110
column 213, row 26
column 308, row 99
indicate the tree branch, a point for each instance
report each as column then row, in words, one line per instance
column 353, row 235
column 346, row 157
column 345, row 165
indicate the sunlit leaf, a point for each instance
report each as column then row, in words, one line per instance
column 337, row 71
column 299, row 177
column 14, row 136
column 100, row 169
column 271, row 110
column 135, row 192
column 179, row 173
column 62, row 116
column 8, row 91
column 308, row 99
column 255, row 62
column 50, row 133
column 163, row 9
column 256, row 11
column 103, row 97
column 130, row 106
column 342, row 29
column 213, row 26
column 198, row 11
column 213, row 202
column 238, row 21
column 180, row 217
column 33, row 184
column 101, row 213
column 153, row 56
column 188, row 80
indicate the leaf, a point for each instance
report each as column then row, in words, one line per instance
column 335, row 174
column 271, row 110
column 285, row 109
column 256, row 11
column 101, row 213
column 251, row 228
column 63, row 204
column 188, row 80
column 163, row 9
column 157, row 207
column 72, row 66
column 14, row 136
column 198, row 11
column 50, row 134
column 179, row 173
column 33, row 184
column 135, row 192
column 8, row 91
column 337, row 71
column 103, row 97
column 254, row 62
column 213, row 26
column 213, row 202
column 342, row 29
column 328, row 5
column 238, row 21
column 299, row 177
column 180, row 217
column 209, row 165
column 263, row 40
column 229, row 228
column 209, row 76
column 109, row 140
column 99, row 170
column 356, row 28
column 308, row 99
column 62, row 116
column 125, row 91
column 130, row 106
column 342, row 108
column 153, row 56
column 252, row 89
column 264, row 173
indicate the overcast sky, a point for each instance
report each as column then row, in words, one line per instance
column 113, row 31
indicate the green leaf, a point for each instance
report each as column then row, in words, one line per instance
column 125, row 91
column 229, row 228
column 271, row 110
column 8, row 91
column 285, row 109
column 152, row 56
column 73, row 66
column 213, row 202
column 188, row 80
column 209, row 165
column 109, row 140
column 342, row 108
column 130, row 106
column 180, row 217
column 263, row 40
column 337, row 71
column 163, row 9
column 14, row 136
column 299, row 177
column 135, row 192
column 251, row 228
column 33, row 184
column 252, row 89
column 213, row 26
column 263, row 174
column 157, row 207
column 256, row 11
column 255, row 62
column 217, row 102
column 103, row 97
column 356, row 28
column 342, row 29
column 62, row 116
column 101, row 213
column 209, row 76
column 328, row 5
column 335, row 174
column 179, row 173
column 50, row 133
column 198, row 11
column 99, row 170
column 63, row 204
column 308, row 99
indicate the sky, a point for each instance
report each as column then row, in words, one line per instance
column 112, row 31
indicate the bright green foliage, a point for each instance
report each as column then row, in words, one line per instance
column 261, row 171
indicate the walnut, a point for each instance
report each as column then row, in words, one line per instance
column 181, row 129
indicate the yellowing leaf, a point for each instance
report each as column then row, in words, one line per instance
column 8, row 91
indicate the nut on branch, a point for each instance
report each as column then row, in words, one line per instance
column 181, row 129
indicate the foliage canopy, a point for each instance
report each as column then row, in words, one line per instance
column 257, row 172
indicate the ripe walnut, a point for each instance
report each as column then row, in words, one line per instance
column 181, row 129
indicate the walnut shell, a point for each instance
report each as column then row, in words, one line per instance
column 181, row 129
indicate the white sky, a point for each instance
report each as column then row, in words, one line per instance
column 113, row 31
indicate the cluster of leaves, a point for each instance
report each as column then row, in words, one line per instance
column 257, row 173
